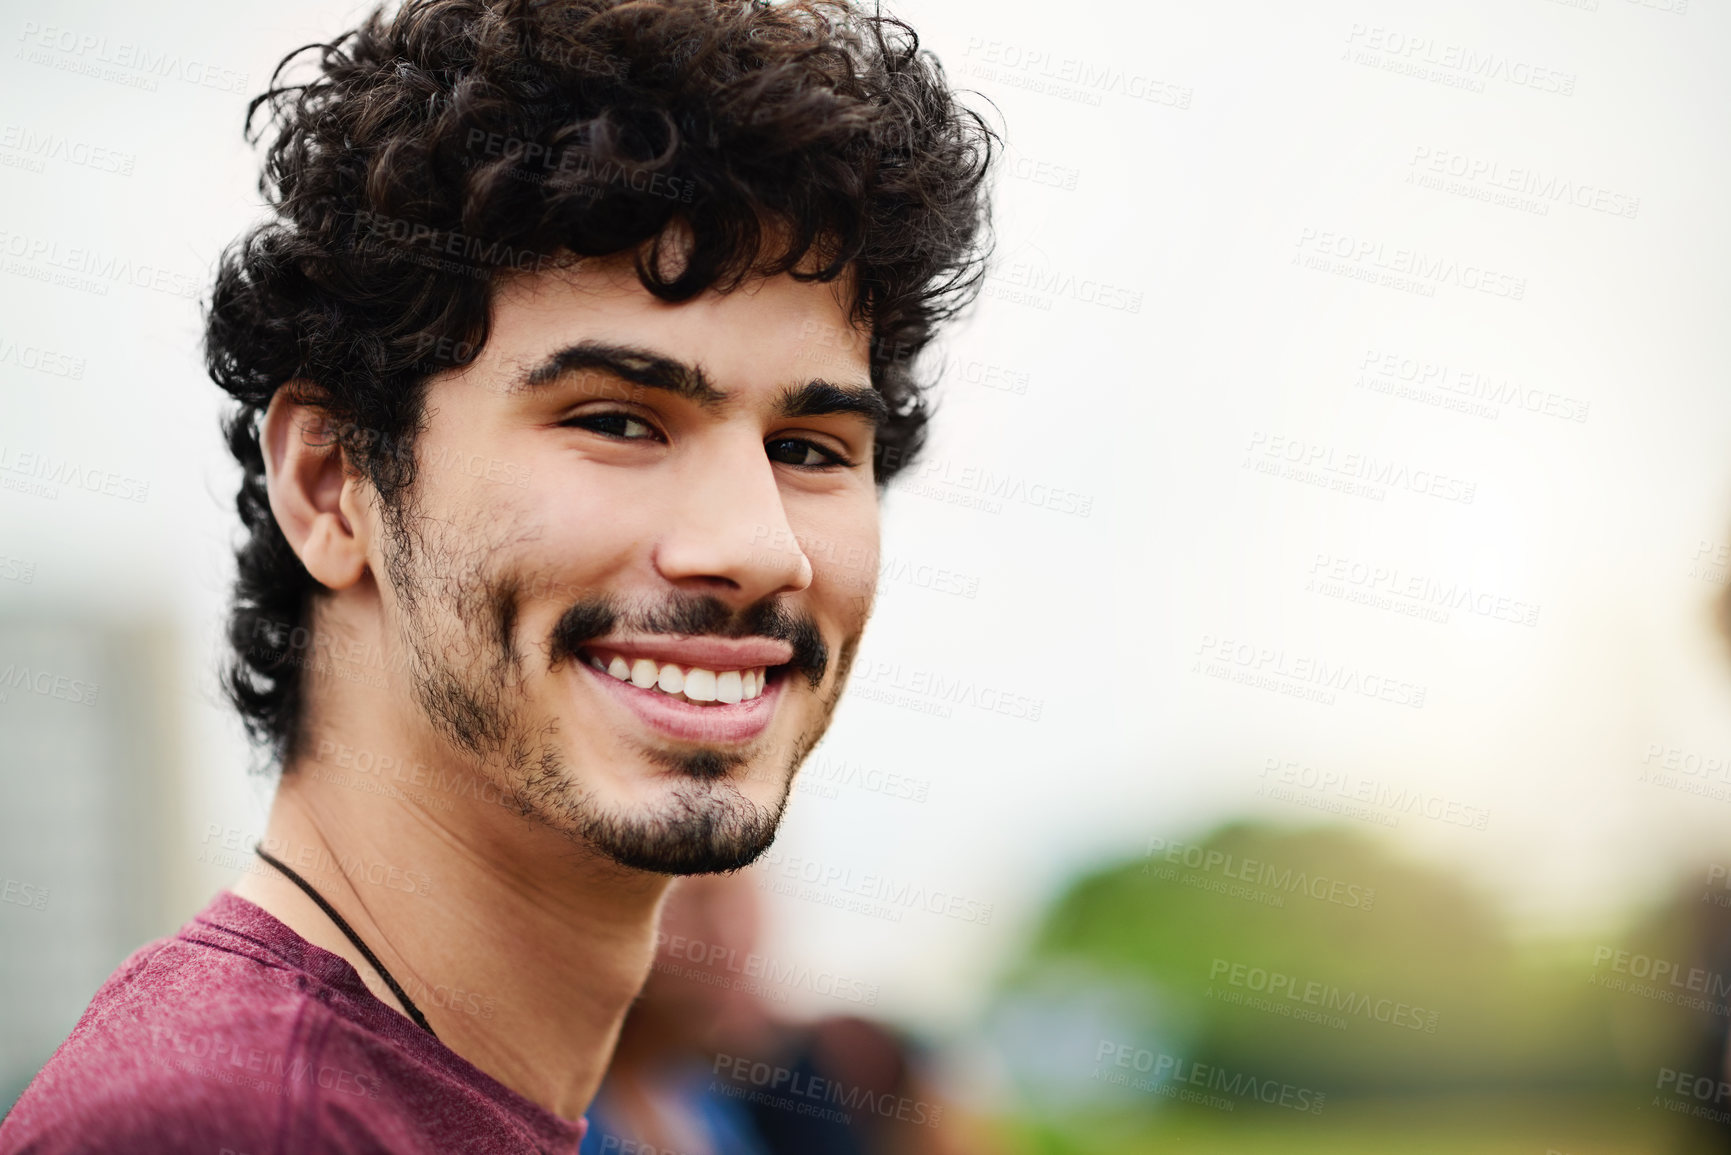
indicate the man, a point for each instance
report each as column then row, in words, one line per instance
column 569, row 371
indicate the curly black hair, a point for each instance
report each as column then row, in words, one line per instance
column 455, row 142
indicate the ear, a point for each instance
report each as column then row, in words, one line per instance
column 316, row 499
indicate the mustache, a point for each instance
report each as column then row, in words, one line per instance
column 686, row 614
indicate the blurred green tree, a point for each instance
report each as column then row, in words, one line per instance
column 1317, row 957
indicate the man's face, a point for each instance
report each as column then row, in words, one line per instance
column 597, row 577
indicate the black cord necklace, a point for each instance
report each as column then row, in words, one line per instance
column 342, row 925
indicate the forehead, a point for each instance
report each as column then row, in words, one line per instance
column 767, row 332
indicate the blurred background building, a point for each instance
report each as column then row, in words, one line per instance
column 90, row 807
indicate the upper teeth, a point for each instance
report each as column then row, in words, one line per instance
column 693, row 683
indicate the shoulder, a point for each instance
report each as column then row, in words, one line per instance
column 238, row 1037
column 185, row 1047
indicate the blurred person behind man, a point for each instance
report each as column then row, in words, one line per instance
column 704, row 1065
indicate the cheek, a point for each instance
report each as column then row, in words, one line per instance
column 845, row 567
column 576, row 539
column 846, row 584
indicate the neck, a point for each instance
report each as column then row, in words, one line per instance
column 522, row 948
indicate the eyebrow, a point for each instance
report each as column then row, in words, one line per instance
column 638, row 366
column 824, row 399
column 651, row 370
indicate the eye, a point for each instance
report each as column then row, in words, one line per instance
column 799, row 452
column 624, row 426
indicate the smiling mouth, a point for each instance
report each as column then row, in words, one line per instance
column 694, row 684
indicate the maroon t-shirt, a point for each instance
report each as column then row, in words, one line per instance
column 239, row 1037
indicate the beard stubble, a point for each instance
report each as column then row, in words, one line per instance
column 459, row 624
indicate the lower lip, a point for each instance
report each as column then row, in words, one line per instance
column 688, row 721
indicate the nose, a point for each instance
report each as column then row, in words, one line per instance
column 726, row 529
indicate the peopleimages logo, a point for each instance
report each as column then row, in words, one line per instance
column 106, row 59
column 578, row 164
column 310, row 859
column 36, row 147
column 834, row 773
column 1166, row 1073
column 1030, row 282
column 804, row 1093
column 892, row 894
column 1397, row 798
column 714, row 959
column 1661, row 971
column 1276, row 984
column 1302, row 676
column 1257, row 872
column 89, row 269
column 1542, row 187
column 40, row 360
column 379, row 235
column 1360, row 474
column 1066, row 77
column 877, row 679
column 45, row 473
column 23, row 894
column 1461, row 388
column 1461, row 64
column 1415, row 594
column 1369, row 259
column 214, row 1056
column 1681, row 1087
column 48, row 684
